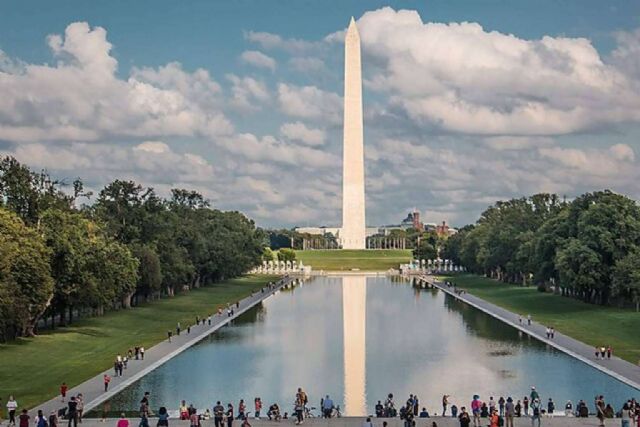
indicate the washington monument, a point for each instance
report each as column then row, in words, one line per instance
column 353, row 218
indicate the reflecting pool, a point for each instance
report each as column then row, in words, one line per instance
column 358, row 338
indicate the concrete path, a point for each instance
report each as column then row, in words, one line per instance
column 620, row 369
column 93, row 389
column 359, row 422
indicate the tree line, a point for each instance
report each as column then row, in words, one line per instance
column 58, row 260
column 587, row 248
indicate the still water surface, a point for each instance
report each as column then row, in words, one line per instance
column 358, row 338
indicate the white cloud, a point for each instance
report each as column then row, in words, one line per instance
column 247, row 92
column 274, row 41
column 258, row 59
column 307, row 64
column 299, row 132
column 81, row 99
column 461, row 78
column 310, row 102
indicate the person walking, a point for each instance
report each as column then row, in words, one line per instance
column 23, row 419
column 529, row 319
column 626, row 415
column 327, row 407
column 142, row 353
column 12, row 407
column 169, row 333
column 63, row 390
column 106, row 380
column 257, row 403
column 550, row 407
column 609, row 351
column 41, row 421
column 509, row 412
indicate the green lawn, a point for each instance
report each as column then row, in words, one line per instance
column 347, row 259
column 33, row 369
column 592, row 324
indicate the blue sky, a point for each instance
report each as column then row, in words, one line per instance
column 466, row 102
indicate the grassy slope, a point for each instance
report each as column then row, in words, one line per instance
column 379, row 259
column 594, row 325
column 33, row 369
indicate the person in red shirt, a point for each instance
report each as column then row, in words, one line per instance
column 24, row 419
column 63, row 390
column 107, row 380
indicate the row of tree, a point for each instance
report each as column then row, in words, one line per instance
column 588, row 248
column 58, row 260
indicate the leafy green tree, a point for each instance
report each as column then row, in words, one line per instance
column 286, row 254
column 425, row 250
column 626, row 278
column 149, row 272
column 25, row 275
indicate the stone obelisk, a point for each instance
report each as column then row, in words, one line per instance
column 353, row 217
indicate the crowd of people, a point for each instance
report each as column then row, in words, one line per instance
column 493, row 412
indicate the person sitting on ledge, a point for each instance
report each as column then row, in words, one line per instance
column 424, row 413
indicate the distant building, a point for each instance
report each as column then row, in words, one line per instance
column 443, row 230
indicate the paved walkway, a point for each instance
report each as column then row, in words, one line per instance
column 93, row 389
column 620, row 369
column 359, row 422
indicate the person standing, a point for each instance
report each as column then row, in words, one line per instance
column 80, row 400
column 12, row 407
column 509, row 412
column 241, row 409
column 142, row 353
column 72, row 412
column 445, row 402
column 494, row 419
column 53, row 419
column 626, row 415
column 63, row 390
column 609, row 351
column 600, row 407
column 327, row 407
column 476, row 404
column 501, row 403
column 525, row 405
column 550, row 407
column 529, row 319
column 169, row 335
column 218, row 414
column 464, row 417
column 257, row 403
column 299, row 407
column 106, row 380
column 535, row 415
column 229, row 415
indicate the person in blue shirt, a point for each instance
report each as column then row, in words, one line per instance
column 424, row 413
column 327, row 407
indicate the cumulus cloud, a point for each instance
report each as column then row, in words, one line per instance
column 247, row 92
column 461, row 78
column 310, row 102
column 275, row 41
column 81, row 98
column 307, row 64
column 299, row 132
column 258, row 59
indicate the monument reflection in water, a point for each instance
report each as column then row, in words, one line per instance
column 358, row 338
column 354, row 320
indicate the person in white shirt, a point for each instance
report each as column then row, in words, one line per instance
column 12, row 406
column 367, row 423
